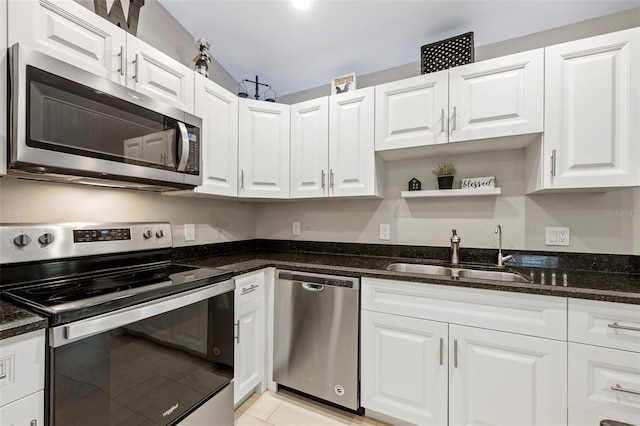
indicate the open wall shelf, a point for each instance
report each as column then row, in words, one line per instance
column 452, row 193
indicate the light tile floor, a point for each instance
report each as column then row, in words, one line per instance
column 287, row 409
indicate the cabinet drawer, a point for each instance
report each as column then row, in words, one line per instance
column 614, row 325
column 26, row 411
column 249, row 287
column 21, row 366
column 594, row 372
column 530, row 314
column 582, row 418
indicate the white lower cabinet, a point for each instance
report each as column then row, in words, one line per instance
column 22, row 372
column 404, row 367
column 250, row 334
column 498, row 378
column 448, row 371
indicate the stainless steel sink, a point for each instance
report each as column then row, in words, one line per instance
column 415, row 268
column 444, row 271
column 491, row 275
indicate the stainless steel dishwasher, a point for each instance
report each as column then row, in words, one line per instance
column 316, row 336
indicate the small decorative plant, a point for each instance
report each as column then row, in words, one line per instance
column 445, row 169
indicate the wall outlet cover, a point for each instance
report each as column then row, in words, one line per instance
column 385, row 231
column 296, row 228
column 189, row 232
column 557, row 236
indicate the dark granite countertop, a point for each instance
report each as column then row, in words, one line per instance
column 619, row 287
column 15, row 321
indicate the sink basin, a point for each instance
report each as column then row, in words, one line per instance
column 421, row 269
column 491, row 275
column 443, row 271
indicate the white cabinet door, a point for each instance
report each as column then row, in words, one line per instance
column 70, row 32
column 412, row 112
column 498, row 378
column 155, row 74
column 28, row 411
column 218, row 109
column 352, row 170
column 605, row 381
column 3, row 88
column 310, row 148
column 22, row 363
column 263, row 154
column 592, row 105
column 404, row 367
column 497, row 97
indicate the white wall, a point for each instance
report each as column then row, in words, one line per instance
column 215, row 220
column 595, row 225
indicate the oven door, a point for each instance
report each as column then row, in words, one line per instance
column 149, row 364
column 67, row 121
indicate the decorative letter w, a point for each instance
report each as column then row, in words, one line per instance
column 116, row 15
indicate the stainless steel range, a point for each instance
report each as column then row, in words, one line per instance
column 133, row 338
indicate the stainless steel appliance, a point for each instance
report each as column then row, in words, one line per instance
column 316, row 338
column 133, row 338
column 69, row 125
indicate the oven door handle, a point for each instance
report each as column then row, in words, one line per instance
column 68, row 333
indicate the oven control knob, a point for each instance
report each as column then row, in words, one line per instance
column 22, row 240
column 46, row 239
column 147, row 234
column 159, row 233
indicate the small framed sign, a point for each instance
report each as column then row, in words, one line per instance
column 479, row 182
column 345, row 83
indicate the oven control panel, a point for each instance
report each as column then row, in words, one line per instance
column 32, row 242
column 91, row 235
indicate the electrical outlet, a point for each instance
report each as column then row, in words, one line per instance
column 296, row 228
column 385, row 231
column 189, row 232
column 557, row 236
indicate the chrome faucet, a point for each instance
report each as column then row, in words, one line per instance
column 455, row 247
column 501, row 259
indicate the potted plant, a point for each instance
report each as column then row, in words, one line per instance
column 445, row 173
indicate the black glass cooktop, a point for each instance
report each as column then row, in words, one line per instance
column 69, row 298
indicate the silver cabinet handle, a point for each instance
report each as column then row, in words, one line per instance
column 442, row 120
column 331, row 183
column 137, row 69
column 441, row 351
column 3, row 375
column 121, row 55
column 553, row 162
column 454, row 119
column 246, row 290
column 33, row 423
column 619, row 388
column 455, row 354
column 322, row 178
column 623, row 327
column 237, row 324
column 241, row 179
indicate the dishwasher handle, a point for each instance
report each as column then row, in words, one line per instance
column 312, row 287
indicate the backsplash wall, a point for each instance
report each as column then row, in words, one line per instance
column 599, row 222
column 216, row 220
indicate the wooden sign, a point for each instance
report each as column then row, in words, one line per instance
column 116, row 14
column 343, row 83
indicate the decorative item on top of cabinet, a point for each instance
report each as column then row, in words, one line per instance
column 344, row 83
column 592, row 104
column 203, row 58
column 448, row 53
column 116, row 14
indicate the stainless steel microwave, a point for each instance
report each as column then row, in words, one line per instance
column 69, row 125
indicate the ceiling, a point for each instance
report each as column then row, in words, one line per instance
column 294, row 50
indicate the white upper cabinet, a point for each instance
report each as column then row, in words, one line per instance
column 155, row 74
column 70, row 32
column 412, row 112
column 498, row 97
column 310, row 148
column 218, row 109
column 353, row 170
column 592, row 111
column 263, row 155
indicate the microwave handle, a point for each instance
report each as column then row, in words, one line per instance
column 183, row 146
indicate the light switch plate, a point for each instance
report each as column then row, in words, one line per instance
column 189, row 232
column 557, row 236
